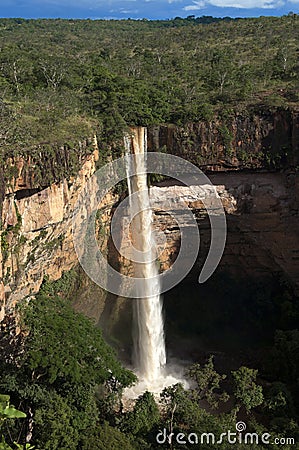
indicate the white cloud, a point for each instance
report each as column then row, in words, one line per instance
column 195, row 6
column 243, row 4
column 163, row 8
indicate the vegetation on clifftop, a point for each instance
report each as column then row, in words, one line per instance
column 61, row 81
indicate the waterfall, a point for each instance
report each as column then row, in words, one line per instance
column 149, row 342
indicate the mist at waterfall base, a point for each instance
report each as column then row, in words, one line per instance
column 149, row 352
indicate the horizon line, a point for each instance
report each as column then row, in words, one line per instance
column 190, row 17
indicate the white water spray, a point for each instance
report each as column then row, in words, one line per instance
column 149, row 342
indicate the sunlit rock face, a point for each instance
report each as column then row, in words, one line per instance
column 37, row 234
column 262, row 221
column 262, row 218
column 261, row 208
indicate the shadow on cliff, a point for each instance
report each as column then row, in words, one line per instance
column 226, row 314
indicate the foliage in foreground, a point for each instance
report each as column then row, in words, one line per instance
column 7, row 411
column 61, row 363
column 206, row 410
column 68, row 381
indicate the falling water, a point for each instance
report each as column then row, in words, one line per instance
column 149, row 343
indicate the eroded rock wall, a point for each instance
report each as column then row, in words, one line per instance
column 261, row 140
column 36, row 235
column 262, row 212
column 261, row 207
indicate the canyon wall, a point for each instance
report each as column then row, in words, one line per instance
column 36, row 235
column 261, row 207
column 262, row 225
column 264, row 140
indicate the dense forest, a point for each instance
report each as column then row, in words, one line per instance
column 63, row 81
column 68, row 381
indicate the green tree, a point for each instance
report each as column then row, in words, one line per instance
column 246, row 391
column 56, row 372
column 207, row 383
column 222, row 69
column 64, row 345
column 106, row 437
column 144, row 416
column 7, row 411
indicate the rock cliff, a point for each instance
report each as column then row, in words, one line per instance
column 262, row 140
column 37, row 239
column 262, row 224
column 261, row 207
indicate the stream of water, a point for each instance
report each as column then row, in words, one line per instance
column 148, row 336
column 149, row 342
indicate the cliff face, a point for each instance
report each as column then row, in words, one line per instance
column 262, row 212
column 258, row 141
column 262, row 209
column 43, row 165
column 37, row 239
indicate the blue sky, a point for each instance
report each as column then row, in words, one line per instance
column 150, row 9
